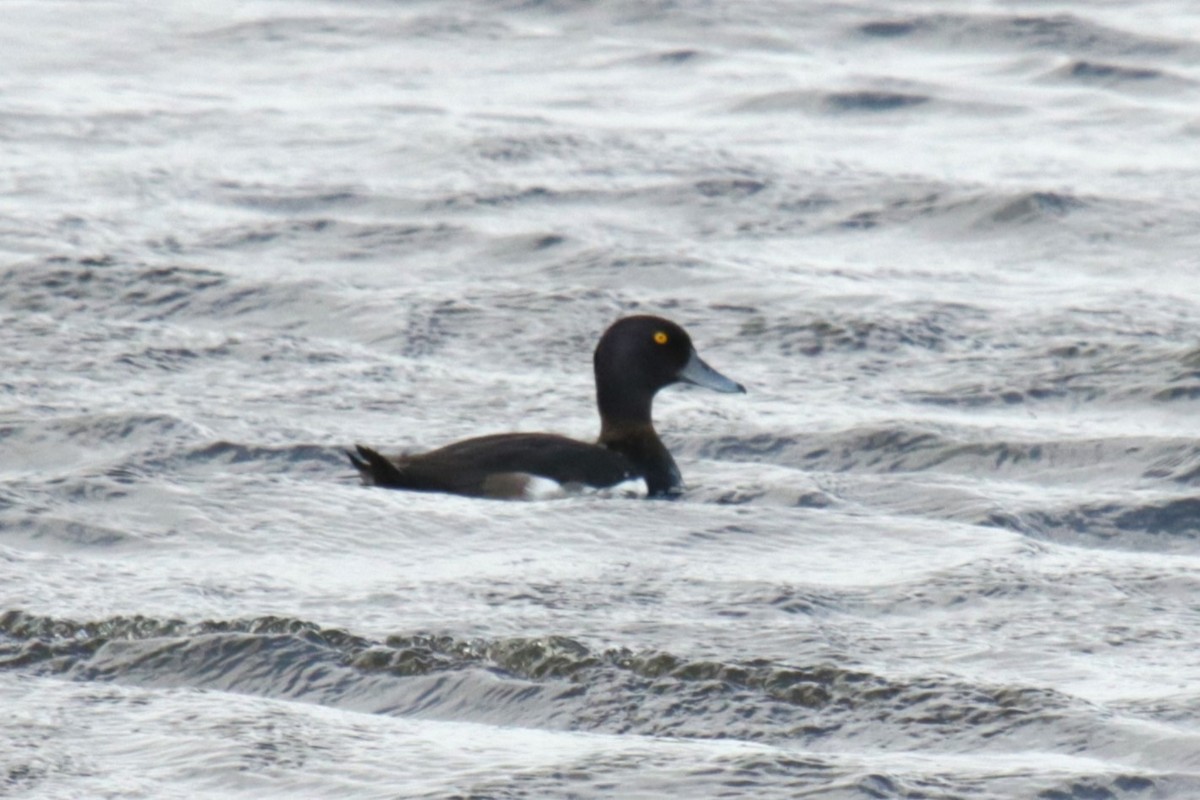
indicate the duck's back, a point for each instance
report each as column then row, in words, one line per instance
column 499, row 465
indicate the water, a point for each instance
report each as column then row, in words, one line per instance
column 947, row 546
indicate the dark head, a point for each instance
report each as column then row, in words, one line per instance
column 639, row 355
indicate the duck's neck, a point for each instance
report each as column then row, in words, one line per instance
column 639, row 442
column 621, row 404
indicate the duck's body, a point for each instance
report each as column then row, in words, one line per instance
column 498, row 465
column 635, row 358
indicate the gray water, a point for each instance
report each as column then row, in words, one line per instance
column 947, row 546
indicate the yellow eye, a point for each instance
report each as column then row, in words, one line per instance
column 660, row 337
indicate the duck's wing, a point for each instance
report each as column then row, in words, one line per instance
column 497, row 466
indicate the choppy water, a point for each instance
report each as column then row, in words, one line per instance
column 947, row 546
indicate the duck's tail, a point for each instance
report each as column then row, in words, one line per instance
column 376, row 469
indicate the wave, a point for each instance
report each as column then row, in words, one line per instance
column 1160, row 524
column 839, row 102
column 1124, row 77
column 911, row 448
column 554, row 682
column 1053, row 32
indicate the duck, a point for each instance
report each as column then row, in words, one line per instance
column 635, row 358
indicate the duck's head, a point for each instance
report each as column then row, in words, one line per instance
column 639, row 355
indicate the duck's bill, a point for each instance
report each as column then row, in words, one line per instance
column 697, row 372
